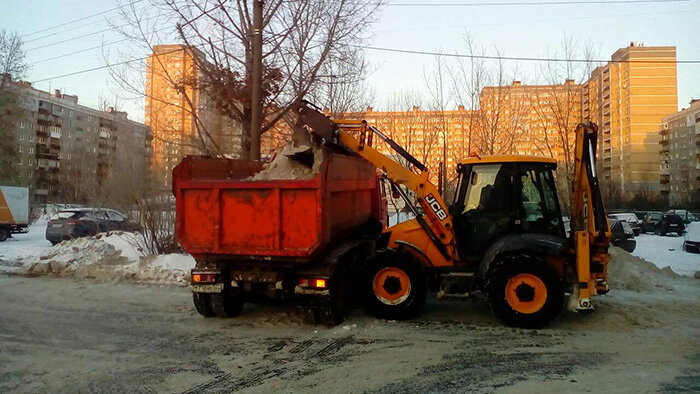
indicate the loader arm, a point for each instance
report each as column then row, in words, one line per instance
column 590, row 230
column 357, row 136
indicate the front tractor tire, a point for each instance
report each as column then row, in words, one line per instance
column 395, row 288
column 525, row 293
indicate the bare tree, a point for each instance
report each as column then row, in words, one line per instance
column 435, row 83
column 302, row 40
column 557, row 105
column 12, row 66
column 498, row 114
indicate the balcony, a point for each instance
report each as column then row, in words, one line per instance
column 664, row 171
column 665, row 179
column 665, row 188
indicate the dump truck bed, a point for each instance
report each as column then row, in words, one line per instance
column 222, row 214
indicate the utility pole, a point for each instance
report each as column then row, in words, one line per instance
column 256, row 94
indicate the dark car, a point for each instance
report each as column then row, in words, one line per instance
column 622, row 235
column 630, row 218
column 83, row 222
column 650, row 220
column 670, row 223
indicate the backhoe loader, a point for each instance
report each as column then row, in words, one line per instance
column 502, row 236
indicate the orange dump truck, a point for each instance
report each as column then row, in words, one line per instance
column 303, row 240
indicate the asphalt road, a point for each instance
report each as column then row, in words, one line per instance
column 60, row 335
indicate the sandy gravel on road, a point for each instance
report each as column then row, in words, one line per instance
column 59, row 335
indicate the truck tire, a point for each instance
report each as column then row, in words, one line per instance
column 226, row 305
column 202, row 303
column 4, row 234
column 395, row 288
column 525, row 293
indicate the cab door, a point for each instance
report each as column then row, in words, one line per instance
column 484, row 207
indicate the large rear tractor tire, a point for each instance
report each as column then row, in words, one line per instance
column 525, row 293
column 226, row 305
column 202, row 303
column 395, row 288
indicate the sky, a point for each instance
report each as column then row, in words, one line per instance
column 514, row 30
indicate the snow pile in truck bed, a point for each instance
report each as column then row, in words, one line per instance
column 629, row 272
column 283, row 167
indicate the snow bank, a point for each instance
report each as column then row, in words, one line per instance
column 667, row 251
column 112, row 256
column 629, row 272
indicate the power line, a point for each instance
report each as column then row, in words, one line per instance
column 533, row 59
column 85, row 35
column 414, row 52
column 81, row 19
column 531, row 3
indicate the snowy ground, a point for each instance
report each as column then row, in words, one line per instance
column 667, row 251
column 118, row 255
column 112, row 256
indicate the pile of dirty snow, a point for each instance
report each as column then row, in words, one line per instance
column 108, row 257
column 629, row 272
column 284, row 167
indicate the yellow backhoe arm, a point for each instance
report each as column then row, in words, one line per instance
column 590, row 230
column 432, row 234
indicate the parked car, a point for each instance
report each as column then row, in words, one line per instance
column 83, row 222
column 669, row 223
column 650, row 220
column 687, row 216
column 630, row 218
column 692, row 238
column 622, row 235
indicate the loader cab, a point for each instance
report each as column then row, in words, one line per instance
column 504, row 195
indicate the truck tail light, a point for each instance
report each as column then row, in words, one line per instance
column 203, row 277
column 315, row 283
column 72, row 221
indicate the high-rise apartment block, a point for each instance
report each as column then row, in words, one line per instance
column 179, row 111
column 628, row 98
column 69, row 152
column 680, row 155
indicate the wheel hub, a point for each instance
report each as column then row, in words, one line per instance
column 391, row 285
column 526, row 293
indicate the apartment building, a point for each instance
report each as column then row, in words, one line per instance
column 679, row 155
column 537, row 120
column 68, row 152
column 179, row 111
column 628, row 98
column 433, row 137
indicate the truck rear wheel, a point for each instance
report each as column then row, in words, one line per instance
column 226, row 305
column 202, row 303
column 526, row 294
column 395, row 289
column 4, row 234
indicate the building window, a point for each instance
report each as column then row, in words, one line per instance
column 31, row 138
column 20, row 161
column 31, row 150
column 21, row 137
column 30, row 162
column 21, row 125
column 20, row 149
